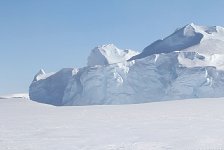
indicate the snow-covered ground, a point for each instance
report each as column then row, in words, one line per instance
column 195, row 124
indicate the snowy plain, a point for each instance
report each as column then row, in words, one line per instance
column 193, row 124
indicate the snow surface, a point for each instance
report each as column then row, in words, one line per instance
column 187, row 64
column 171, row 125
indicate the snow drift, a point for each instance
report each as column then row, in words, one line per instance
column 187, row 64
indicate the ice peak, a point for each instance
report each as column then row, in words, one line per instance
column 41, row 71
column 106, row 46
column 191, row 29
column 109, row 54
column 106, row 49
column 38, row 76
column 205, row 30
column 192, row 25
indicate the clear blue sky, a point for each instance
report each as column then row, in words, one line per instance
column 53, row 34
